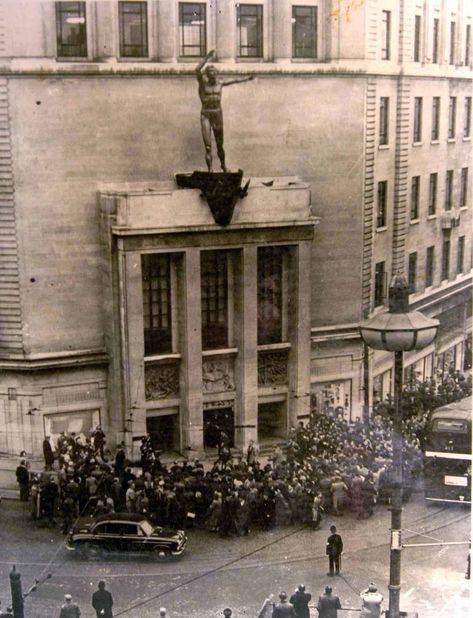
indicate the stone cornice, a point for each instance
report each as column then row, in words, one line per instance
column 54, row 360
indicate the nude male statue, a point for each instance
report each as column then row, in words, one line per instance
column 211, row 117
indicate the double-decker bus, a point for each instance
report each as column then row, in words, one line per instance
column 447, row 469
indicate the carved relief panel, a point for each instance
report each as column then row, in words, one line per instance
column 161, row 381
column 218, row 374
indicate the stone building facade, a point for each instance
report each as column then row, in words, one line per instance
column 366, row 106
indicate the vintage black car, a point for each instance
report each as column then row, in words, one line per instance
column 125, row 532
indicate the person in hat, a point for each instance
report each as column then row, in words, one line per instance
column 371, row 602
column 48, row 453
column 69, row 609
column 162, row 612
column 301, row 599
column 102, row 601
column 328, row 604
column 283, row 609
column 227, row 612
column 334, row 551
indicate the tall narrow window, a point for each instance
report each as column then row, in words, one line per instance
column 429, row 266
column 270, row 294
column 379, row 283
column 214, row 299
column 435, row 119
column 417, row 34
column 449, row 190
column 467, row 44
column 192, row 29
column 386, row 35
column 464, row 187
column 435, row 41
column 445, row 260
column 412, row 272
column 383, row 121
column 452, row 117
column 433, row 184
column 417, row 119
column 415, row 195
column 250, row 30
column 71, row 31
column 460, row 254
column 156, row 284
column 382, row 203
column 453, row 27
column 304, row 32
column 467, row 118
column 133, row 25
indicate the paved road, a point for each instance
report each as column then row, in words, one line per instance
column 240, row 573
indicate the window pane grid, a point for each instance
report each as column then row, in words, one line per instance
column 433, row 182
column 304, row 32
column 382, row 204
column 429, row 266
column 412, row 272
column 464, row 187
column 386, row 35
column 449, row 190
column 133, row 29
column 250, row 30
column 192, row 29
column 452, row 111
column 445, row 260
column 418, row 119
column 270, row 260
column 71, row 29
column 435, row 47
column 467, row 119
column 460, row 254
column 435, row 118
column 379, row 279
column 383, row 120
column 417, row 28
column 415, row 189
column 156, row 284
column 214, row 299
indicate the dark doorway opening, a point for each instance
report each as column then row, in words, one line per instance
column 164, row 432
column 217, row 420
column 271, row 420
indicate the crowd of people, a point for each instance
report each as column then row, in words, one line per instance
column 327, row 465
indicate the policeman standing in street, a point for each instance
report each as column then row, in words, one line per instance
column 334, row 551
column 102, row 601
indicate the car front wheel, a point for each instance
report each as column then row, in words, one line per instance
column 162, row 553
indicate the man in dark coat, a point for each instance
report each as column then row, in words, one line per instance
column 328, row 605
column 48, row 454
column 334, row 551
column 23, row 478
column 300, row 600
column 283, row 609
column 102, row 602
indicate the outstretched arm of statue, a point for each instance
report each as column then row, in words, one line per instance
column 200, row 66
column 238, row 80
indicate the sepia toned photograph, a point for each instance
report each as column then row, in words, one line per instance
column 236, row 308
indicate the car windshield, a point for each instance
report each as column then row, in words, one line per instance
column 147, row 527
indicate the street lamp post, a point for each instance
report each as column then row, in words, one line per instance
column 398, row 330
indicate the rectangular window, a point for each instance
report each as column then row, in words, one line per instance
column 250, row 30
column 384, row 121
column 382, row 203
column 452, row 116
column 445, row 260
column 433, row 184
column 467, row 118
column 435, row 119
column 467, row 44
column 464, row 187
column 435, row 41
column 429, row 267
column 412, row 272
column 192, row 29
column 386, row 35
column 133, row 25
column 417, row 32
column 415, row 195
column 453, row 26
column 304, row 32
column 270, row 294
column 379, row 283
column 417, row 119
column 460, row 254
column 214, row 299
column 449, row 190
column 71, row 31
column 156, row 285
